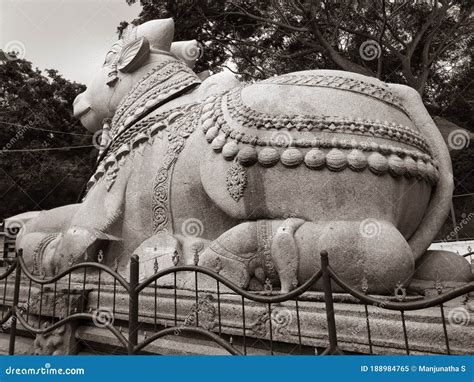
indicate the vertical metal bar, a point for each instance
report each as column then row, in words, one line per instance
column 98, row 288
column 175, row 301
column 16, row 297
column 298, row 323
column 219, row 306
column 156, row 307
column 133, row 305
column 271, row 326
column 28, row 303
column 114, row 297
column 196, row 296
column 69, row 294
column 4, row 295
column 54, row 300
column 243, row 326
column 40, row 307
column 405, row 335
column 445, row 330
column 455, row 224
column 328, row 299
column 84, row 282
column 368, row 329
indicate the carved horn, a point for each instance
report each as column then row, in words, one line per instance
column 159, row 33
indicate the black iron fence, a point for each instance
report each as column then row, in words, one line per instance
column 19, row 308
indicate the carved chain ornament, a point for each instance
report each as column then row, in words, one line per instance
column 335, row 154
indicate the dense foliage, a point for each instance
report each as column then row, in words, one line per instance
column 35, row 117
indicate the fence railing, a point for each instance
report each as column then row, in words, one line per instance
column 21, row 311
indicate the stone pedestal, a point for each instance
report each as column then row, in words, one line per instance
column 293, row 331
column 41, row 308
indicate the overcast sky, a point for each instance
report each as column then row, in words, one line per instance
column 68, row 35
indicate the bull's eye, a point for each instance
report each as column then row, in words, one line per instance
column 110, row 58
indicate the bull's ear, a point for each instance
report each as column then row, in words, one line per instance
column 133, row 55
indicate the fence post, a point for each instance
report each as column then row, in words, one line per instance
column 328, row 299
column 16, row 297
column 133, row 305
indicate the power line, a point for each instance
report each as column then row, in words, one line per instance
column 48, row 149
column 40, row 129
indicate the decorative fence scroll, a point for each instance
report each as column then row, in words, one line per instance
column 25, row 283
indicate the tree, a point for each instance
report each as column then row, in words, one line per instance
column 424, row 44
column 35, row 119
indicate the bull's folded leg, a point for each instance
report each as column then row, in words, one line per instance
column 40, row 236
column 285, row 255
column 252, row 252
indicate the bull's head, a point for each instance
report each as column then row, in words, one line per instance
column 125, row 63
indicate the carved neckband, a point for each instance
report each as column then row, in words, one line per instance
column 159, row 86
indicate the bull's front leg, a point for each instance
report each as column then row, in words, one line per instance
column 285, row 253
column 40, row 236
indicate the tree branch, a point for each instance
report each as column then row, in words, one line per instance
column 266, row 21
column 337, row 58
column 435, row 13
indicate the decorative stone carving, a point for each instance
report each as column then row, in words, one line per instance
column 183, row 125
column 38, row 268
column 50, row 343
column 203, row 313
column 336, row 82
column 281, row 319
column 231, row 155
column 56, row 305
column 213, row 121
column 59, row 304
column 236, row 180
column 256, row 120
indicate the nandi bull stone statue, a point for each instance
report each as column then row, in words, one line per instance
column 250, row 180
